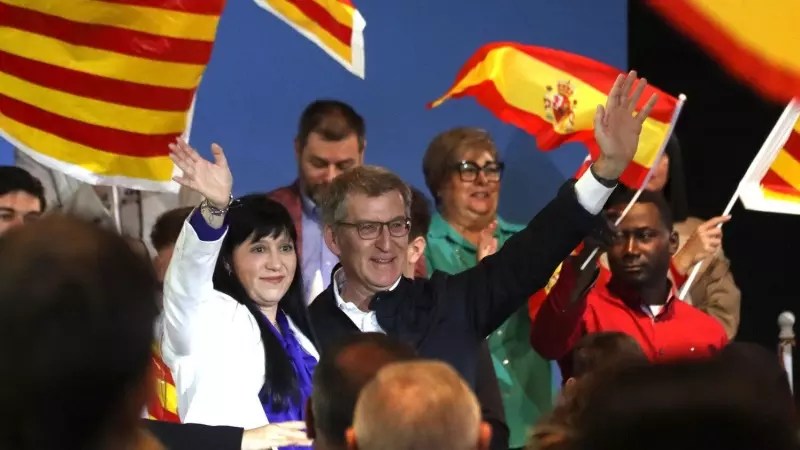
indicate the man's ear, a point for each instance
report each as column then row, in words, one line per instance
column 350, row 436
column 311, row 432
column 330, row 240
column 674, row 242
column 416, row 249
column 484, row 436
column 569, row 384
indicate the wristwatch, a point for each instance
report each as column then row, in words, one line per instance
column 213, row 210
column 604, row 181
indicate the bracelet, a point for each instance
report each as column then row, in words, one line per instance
column 604, row 181
column 213, row 210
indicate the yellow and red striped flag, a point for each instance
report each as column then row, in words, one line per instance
column 778, row 190
column 336, row 26
column 553, row 95
column 98, row 88
column 759, row 42
column 163, row 402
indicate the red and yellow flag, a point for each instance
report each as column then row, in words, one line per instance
column 553, row 95
column 163, row 404
column 758, row 42
column 97, row 89
column 336, row 26
column 779, row 188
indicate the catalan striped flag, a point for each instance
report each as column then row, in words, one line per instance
column 759, row 42
column 553, row 95
column 778, row 189
column 335, row 26
column 98, row 88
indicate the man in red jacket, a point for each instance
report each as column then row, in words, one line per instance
column 638, row 300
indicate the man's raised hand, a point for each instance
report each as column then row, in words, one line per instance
column 617, row 129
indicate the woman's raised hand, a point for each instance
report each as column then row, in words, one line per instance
column 212, row 180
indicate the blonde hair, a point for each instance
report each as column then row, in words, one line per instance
column 417, row 406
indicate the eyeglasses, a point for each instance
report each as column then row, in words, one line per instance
column 372, row 230
column 468, row 171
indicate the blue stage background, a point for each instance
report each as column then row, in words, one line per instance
column 263, row 73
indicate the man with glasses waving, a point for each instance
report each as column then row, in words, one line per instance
column 366, row 210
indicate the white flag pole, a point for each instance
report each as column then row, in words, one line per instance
column 115, row 209
column 672, row 122
column 772, row 145
column 786, row 344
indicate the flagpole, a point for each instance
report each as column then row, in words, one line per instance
column 656, row 161
column 758, row 167
column 786, row 344
column 115, row 209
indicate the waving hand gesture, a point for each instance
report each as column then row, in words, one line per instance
column 617, row 129
column 212, row 180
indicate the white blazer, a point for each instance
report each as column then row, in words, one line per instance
column 211, row 342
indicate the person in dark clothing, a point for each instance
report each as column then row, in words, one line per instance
column 366, row 215
column 77, row 307
column 343, row 370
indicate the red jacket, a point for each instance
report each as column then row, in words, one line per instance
column 289, row 197
column 678, row 331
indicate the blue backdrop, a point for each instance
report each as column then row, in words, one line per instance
column 263, row 73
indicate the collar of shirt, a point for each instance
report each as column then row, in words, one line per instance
column 633, row 301
column 310, row 208
column 366, row 321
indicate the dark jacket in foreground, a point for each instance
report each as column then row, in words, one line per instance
column 448, row 317
column 191, row 436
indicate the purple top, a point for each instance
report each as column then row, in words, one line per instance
column 205, row 231
column 303, row 365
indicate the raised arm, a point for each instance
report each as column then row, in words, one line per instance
column 501, row 284
column 188, row 282
column 714, row 291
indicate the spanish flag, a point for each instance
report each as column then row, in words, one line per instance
column 778, row 188
column 553, row 95
column 97, row 89
column 335, row 26
column 759, row 42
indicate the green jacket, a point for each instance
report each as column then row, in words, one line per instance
column 525, row 377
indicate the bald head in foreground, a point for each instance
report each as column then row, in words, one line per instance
column 418, row 406
column 343, row 370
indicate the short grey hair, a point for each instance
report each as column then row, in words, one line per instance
column 372, row 181
column 417, row 406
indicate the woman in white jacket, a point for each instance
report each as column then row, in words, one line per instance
column 236, row 331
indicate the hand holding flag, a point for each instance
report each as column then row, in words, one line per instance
column 704, row 243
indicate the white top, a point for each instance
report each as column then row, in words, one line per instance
column 211, row 343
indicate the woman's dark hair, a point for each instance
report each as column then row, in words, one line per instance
column 250, row 219
column 675, row 188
